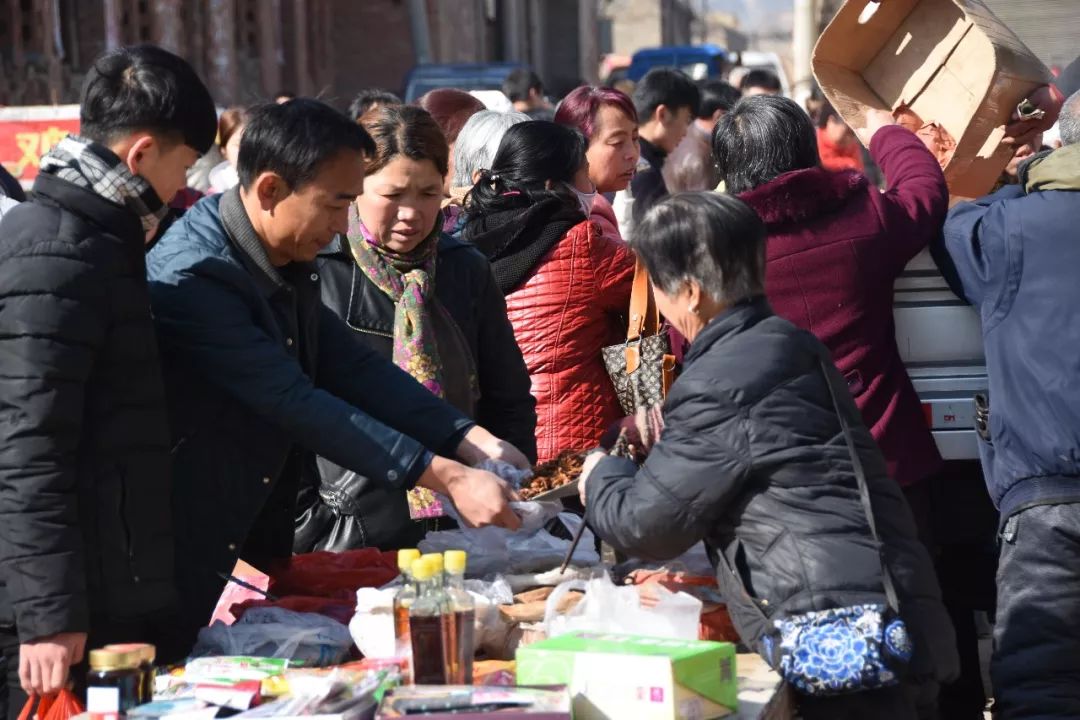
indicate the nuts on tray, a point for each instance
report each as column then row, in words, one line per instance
column 564, row 469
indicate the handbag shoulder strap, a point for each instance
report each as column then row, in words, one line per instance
column 644, row 315
column 864, row 489
column 864, row 496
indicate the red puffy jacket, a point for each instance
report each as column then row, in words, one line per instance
column 573, row 305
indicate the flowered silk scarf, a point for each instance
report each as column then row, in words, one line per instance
column 408, row 280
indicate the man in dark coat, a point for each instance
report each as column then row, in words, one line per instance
column 261, row 376
column 666, row 101
column 86, row 545
column 753, row 461
column 1014, row 255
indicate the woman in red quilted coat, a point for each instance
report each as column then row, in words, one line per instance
column 567, row 285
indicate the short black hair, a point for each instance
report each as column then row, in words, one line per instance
column 712, row 238
column 716, row 95
column 294, row 139
column 760, row 79
column 287, row 94
column 763, row 137
column 366, row 99
column 146, row 88
column 665, row 86
column 519, row 82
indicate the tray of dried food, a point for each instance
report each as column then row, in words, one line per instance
column 557, row 478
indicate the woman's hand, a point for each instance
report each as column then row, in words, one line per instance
column 875, row 120
column 587, row 467
column 480, row 445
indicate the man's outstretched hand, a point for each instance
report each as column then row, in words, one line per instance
column 480, row 445
column 481, row 498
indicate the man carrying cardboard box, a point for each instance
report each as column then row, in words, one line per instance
column 1014, row 255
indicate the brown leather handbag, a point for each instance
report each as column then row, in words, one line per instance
column 643, row 368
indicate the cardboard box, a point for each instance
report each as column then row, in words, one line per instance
column 952, row 62
column 612, row 677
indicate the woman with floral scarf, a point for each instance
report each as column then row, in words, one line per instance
column 432, row 305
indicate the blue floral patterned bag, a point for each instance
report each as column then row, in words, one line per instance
column 843, row 650
column 847, row 649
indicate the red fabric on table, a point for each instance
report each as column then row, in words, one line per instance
column 332, row 575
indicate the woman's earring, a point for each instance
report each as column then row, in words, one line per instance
column 693, row 309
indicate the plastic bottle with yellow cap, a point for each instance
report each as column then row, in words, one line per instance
column 463, row 638
column 430, row 624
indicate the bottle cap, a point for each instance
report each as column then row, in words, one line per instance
column 406, row 557
column 455, row 561
column 436, row 559
column 422, row 569
column 106, row 660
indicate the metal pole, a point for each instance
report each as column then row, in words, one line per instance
column 421, row 35
column 111, row 10
column 588, row 42
column 513, row 30
column 803, row 35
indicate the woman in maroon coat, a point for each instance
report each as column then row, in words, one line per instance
column 835, row 248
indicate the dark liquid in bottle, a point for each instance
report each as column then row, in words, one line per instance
column 428, row 649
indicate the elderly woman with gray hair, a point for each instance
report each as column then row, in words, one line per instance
column 766, row 459
column 474, row 150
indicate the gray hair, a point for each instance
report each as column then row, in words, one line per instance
column 1069, row 122
column 479, row 141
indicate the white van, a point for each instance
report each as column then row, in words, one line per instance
column 940, row 341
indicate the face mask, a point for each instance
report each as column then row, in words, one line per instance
column 585, row 200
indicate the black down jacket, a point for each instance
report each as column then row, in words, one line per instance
column 85, row 524
column 475, row 313
column 753, row 461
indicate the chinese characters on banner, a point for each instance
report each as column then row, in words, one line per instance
column 28, row 133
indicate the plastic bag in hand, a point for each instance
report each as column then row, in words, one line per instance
column 513, row 476
column 275, row 632
column 494, row 550
column 62, row 706
column 610, row 608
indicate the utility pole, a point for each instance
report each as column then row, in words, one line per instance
column 589, row 41
column 421, row 34
column 804, row 34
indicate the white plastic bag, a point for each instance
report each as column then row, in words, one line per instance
column 372, row 627
column 276, row 632
column 490, row 628
column 609, row 608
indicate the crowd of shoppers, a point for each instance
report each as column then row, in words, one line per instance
column 368, row 306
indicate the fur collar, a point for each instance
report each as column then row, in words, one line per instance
column 803, row 195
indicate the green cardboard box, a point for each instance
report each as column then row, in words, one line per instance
column 614, row 677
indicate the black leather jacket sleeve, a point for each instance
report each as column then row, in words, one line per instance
column 361, row 377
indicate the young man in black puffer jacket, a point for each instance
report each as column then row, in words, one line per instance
column 86, row 544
